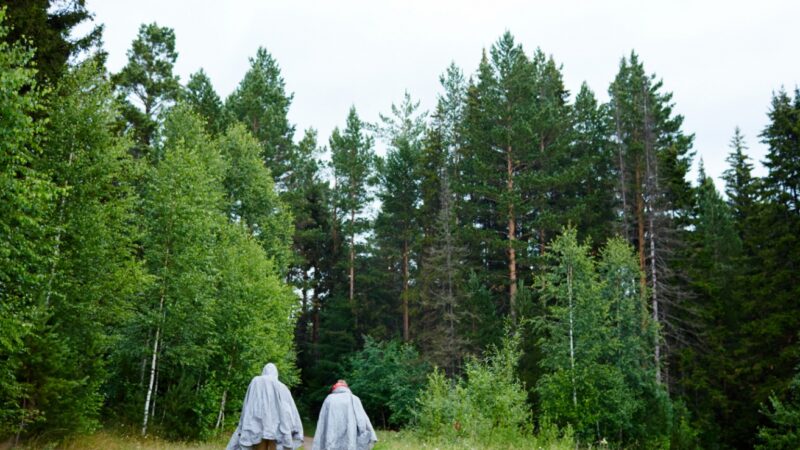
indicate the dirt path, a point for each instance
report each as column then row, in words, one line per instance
column 308, row 442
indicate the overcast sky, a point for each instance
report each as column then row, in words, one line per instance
column 721, row 59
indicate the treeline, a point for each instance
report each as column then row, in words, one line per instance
column 143, row 255
column 159, row 244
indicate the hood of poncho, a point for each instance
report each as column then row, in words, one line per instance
column 270, row 370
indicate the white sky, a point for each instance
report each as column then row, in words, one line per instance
column 721, row 59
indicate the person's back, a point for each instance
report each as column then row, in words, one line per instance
column 343, row 424
column 269, row 416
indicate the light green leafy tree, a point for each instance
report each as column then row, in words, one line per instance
column 26, row 248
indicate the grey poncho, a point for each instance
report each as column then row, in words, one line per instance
column 343, row 424
column 268, row 413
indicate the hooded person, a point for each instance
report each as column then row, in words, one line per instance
column 269, row 416
column 343, row 424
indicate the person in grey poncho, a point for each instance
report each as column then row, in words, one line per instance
column 269, row 416
column 343, row 424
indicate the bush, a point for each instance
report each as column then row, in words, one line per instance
column 488, row 403
column 784, row 416
column 387, row 376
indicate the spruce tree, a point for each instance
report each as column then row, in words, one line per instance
column 653, row 156
column 768, row 352
column 587, row 171
column 740, row 186
column 200, row 94
column 49, row 26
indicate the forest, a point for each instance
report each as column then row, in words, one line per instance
column 521, row 262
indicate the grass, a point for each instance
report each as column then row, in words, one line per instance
column 104, row 440
column 388, row 440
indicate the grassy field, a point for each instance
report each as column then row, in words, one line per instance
column 388, row 440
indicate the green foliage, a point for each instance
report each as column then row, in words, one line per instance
column 26, row 253
column 596, row 341
column 217, row 309
column 200, row 94
column 489, row 402
column 353, row 163
column 146, row 85
column 251, row 198
column 782, row 183
column 49, row 26
column 397, row 226
column 387, row 376
column 783, row 432
column 94, row 221
column 260, row 102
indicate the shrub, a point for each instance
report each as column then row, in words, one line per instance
column 489, row 402
column 387, row 376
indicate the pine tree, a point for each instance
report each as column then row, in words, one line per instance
column 399, row 192
column 353, row 164
column 260, row 102
column 308, row 197
column 147, row 85
column 494, row 161
column 312, row 270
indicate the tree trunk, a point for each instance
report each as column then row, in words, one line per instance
column 512, row 235
column 154, row 360
column 654, row 296
column 315, row 326
column 652, row 193
column 57, row 250
column 571, row 336
column 406, row 335
column 640, row 227
column 353, row 266
column 623, row 188
column 153, row 363
column 221, row 415
column 334, row 232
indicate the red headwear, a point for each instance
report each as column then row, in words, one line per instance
column 340, row 383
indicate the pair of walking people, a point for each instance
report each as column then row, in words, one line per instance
column 270, row 420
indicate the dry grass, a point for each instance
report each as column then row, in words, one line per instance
column 388, row 440
column 108, row 441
